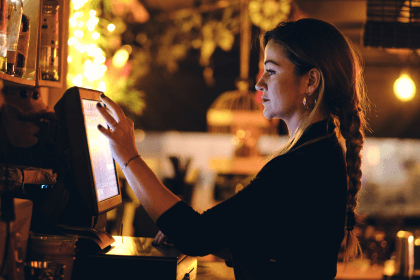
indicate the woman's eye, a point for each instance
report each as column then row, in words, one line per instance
column 270, row 72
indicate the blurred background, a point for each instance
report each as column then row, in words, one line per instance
column 176, row 67
column 184, row 71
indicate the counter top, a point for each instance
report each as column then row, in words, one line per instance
column 357, row 270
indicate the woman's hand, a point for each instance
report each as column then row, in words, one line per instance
column 160, row 239
column 120, row 132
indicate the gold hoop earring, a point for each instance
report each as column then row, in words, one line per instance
column 304, row 102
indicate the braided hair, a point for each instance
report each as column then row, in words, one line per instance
column 341, row 95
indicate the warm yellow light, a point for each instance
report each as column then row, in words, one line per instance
column 235, row 140
column 93, row 50
column 389, row 268
column 219, row 117
column 417, row 242
column 102, row 86
column 120, row 58
column 240, row 133
column 78, row 34
column 91, row 72
column 72, row 41
column 98, row 52
column 77, row 4
column 111, row 27
column 95, row 35
column 78, row 80
column 91, row 23
column 95, row 20
column 127, row 48
column 73, row 22
column 88, row 63
column 99, row 59
column 81, row 48
column 404, row 88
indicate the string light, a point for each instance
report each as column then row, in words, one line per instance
column 84, row 49
column 95, row 35
column 73, row 22
column 120, row 58
column 111, row 27
column 72, row 41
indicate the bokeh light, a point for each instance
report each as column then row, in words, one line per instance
column 404, row 88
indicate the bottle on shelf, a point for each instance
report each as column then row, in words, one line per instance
column 22, row 47
column 14, row 18
column 49, row 40
column 3, row 35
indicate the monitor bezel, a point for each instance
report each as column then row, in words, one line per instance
column 81, row 161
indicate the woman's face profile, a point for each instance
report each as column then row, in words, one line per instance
column 283, row 90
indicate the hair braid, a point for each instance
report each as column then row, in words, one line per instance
column 352, row 126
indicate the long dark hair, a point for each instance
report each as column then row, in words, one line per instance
column 311, row 43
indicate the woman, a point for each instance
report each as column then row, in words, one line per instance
column 289, row 222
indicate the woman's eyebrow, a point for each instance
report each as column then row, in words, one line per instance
column 271, row 61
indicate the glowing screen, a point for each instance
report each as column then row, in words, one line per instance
column 100, row 153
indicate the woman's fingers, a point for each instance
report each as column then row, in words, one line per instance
column 118, row 112
column 104, row 131
column 160, row 238
column 107, row 115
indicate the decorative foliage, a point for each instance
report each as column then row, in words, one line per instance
column 86, row 60
column 167, row 38
column 96, row 59
column 266, row 14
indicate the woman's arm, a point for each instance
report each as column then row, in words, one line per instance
column 153, row 195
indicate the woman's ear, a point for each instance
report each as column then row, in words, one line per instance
column 314, row 76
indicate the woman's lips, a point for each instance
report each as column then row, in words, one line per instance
column 265, row 100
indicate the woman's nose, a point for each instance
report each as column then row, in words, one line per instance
column 259, row 85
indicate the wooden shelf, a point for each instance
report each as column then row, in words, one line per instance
column 51, row 84
column 15, row 80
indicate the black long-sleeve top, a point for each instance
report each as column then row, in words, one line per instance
column 288, row 223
